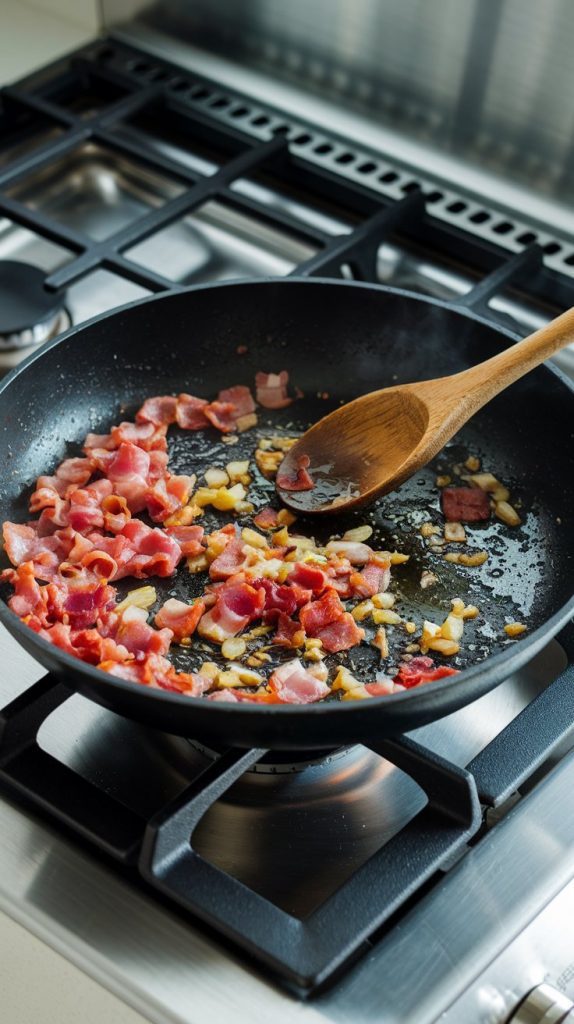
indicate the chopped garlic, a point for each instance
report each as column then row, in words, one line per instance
column 362, row 610
column 443, row 646
column 197, row 563
column 246, row 675
column 452, row 627
column 184, row 516
column 428, row 579
column 216, row 477
column 383, row 600
column 478, row 558
column 443, row 481
column 143, row 597
column 257, row 540
column 359, row 534
column 227, row 679
column 410, row 626
column 472, row 463
column 268, row 462
column 209, row 670
column 514, row 628
column 246, row 422
column 380, row 641
column 507, row 513
column 454, row 533
column 428, row 529
column 286, row 518
column 385, row 616
column 238, row 472
column 233, row 648
column 397, row 558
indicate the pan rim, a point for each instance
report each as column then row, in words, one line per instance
column 510, row 660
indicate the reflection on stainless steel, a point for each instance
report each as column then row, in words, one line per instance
column 438, row 959
column 216, row 242
column 94, row 190
column 36, row 334
column 544, row 1005
column 448, row 73
column 277, row 832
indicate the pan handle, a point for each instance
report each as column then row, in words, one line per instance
column 54, row 787
column 548, row 721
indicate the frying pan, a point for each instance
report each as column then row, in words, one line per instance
column 337, row 340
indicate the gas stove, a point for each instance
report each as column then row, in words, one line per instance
column 424, row 878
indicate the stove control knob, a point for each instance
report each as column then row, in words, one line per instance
column 544, row 1005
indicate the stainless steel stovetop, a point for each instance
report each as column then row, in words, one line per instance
column 466, row 949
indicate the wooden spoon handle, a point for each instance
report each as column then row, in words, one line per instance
column 477, row 385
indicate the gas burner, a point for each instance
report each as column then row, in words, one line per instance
column 29, row 314
column 282, row 762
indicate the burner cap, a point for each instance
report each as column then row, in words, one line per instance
column 28, row 313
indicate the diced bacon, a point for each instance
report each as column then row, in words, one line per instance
column 372, row 580
column 132, row 631
column 190, row 412
column 290, row 633
column 75, row 471
column 157, row 672
column 83, row 607
column 295, row 685
column 240, row 398
column 278, row 598
column 235, row 607
column 271, row 389
column 116, row 513
column 180, row 487
column 155, row 552
column 309, row 576
column 341, row 634
column 223, row 696
column 465, row 504
column 422, row 670
column 221, row 415
column 98, row 441
column 27, row 596
column 355, row 552
column 23, row 544
column 301, row 594
column 102, row 458
column 45, row 497
column 318, row 614
column 230, row 561
column 181, row 618
column 301, row 481
column 158, row 410
column 157, row 466
column 266, row 519
column 159, row 503
column 85, row 513
column 189, row 538
column 381, row 688
column 101, row 564
column 148, row 436
column 128, row 461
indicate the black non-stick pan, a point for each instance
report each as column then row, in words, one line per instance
column 337, row 340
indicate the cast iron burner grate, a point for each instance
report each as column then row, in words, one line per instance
column 303, row 954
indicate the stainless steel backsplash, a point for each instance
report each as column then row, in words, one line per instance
column 491, row 81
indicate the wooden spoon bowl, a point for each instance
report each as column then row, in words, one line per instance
column 372, row 445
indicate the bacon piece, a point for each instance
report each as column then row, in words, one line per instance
column 23, row 544
column 128, row 470
column 278, row 599
column 159, row 410
column 189, row 538
column 230, row 561
column 160, row 503
column 341, row 634
column 149, row 436
column 83, row 607
column 381, row 688
column 85, row 511
column 318, row 614
column 240, row 398
column 374, row 579
column 98, row 441
column 271, row 389
column 223, row 696
column 237, row 604
column 190, row 412
column 28, row 595
column 181, row 618
column 266, row 519
column 116, row 513
column 289, row 633
column 132, row 630
column 157, row 672
column 155, row 552
column 355, row 552
column 295, row 685
column 221, row 415
column 465, row 504
column 302, row 481
column 422, row 670
column 309, row 576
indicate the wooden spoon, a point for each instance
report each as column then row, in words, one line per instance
column 372, row 445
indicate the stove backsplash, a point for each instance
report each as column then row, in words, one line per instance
column 488, row 82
